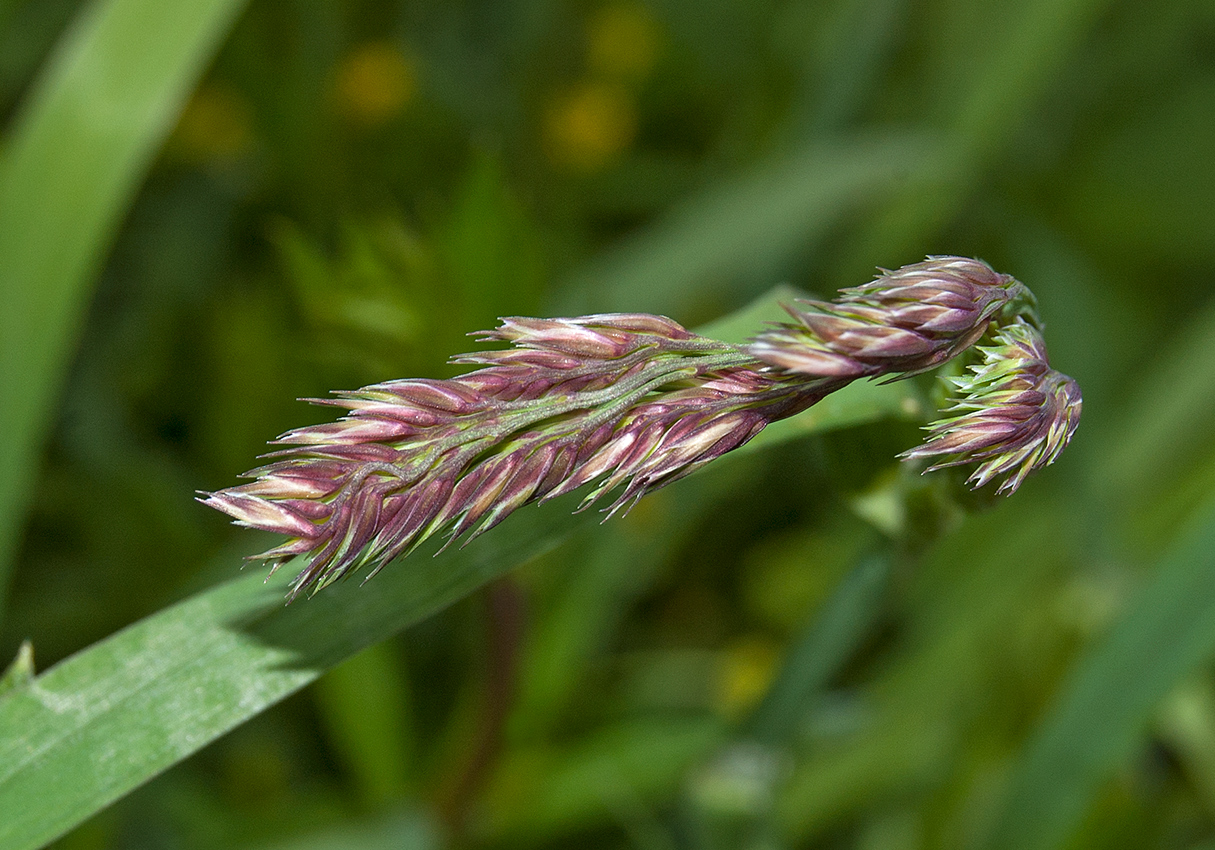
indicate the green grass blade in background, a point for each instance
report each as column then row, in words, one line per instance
column 829, row 640
column 911, row 718
column 778, row 208
column 1162, row 428
column 127, row 708
column 366, row 708
column 406, row 830
column 615, row 768
column 610, row 572
column 839, row 78
column 734, row 792
column 998, row 94
column 77, row 154
column 1101, row 714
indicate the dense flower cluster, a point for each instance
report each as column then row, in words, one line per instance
column 1014, row 413
column 631, row 402
column 905, row 322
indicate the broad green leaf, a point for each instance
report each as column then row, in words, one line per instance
column 746, row 322
column 77, row 154
column 125, row 709
column 1103, row 710
column 855, row 404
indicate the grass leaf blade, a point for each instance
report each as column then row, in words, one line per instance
column 1102, row 712
column 76, row 156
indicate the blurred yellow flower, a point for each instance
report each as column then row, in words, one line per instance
column 622, row 41
column 747, row 668
column 216, row 125
column 374, row 82
column 586, row 128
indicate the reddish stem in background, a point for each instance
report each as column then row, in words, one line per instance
column 505, row 620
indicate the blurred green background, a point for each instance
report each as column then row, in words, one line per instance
column 210, row 209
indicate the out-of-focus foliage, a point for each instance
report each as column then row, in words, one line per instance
column 80, row 148
column 806, row 647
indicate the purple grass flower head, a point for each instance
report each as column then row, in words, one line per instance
column 904, row 322
column 625, row 403
column 630, row 402
column 1014, row 413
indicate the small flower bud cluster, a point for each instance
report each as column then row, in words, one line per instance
column 1014, row 413
column 629, row 400
column 905, row 322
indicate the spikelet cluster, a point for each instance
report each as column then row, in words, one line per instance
column 904, row 322
column 1013, row 414
column 631, row 401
